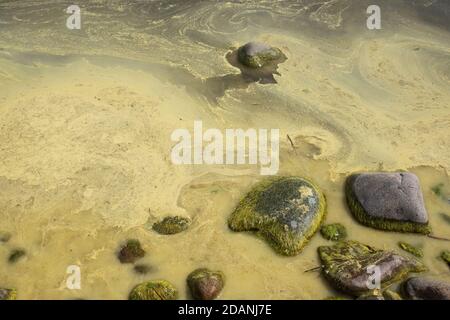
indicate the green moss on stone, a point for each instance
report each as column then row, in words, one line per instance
column 346, row 265
column 205, row 284
column 8, row 294
column 285, row 211
column 16, row 255
column 380, row 223
column 131, row 251
column 334, row 232
column 171, row 225
column 445, row 255
column 260, row 59
column 411, row 249
column 154, row 290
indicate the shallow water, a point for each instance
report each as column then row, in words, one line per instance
column 86, row 119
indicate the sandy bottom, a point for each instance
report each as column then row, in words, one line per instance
column 85, row 151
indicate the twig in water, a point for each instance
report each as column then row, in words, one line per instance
column 292, row 144
column 313, row 269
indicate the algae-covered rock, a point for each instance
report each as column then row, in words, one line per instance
column 334, row 232
column 426, row 289
column 8, row 294
column 411, row 249
column 205, row 284
column 16, row 255
column 131, row 252
column 388, row 201
column 171, row 225
column 350, row 265
column 286, row 212
column 154, row 290
column 391, row 295
column 445, row 255
column 257, row 55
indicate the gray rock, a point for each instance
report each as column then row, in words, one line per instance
column 388, row 201
column 426, row 289
column 257, row 55
column 349, row 265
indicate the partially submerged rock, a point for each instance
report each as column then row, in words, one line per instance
column 205, row 284
column 411, row 249
column 334, row 232
column 350, row 265
column 154, row 290
column 143, row 268
column 388, row 201
column 426, row 289
column 286, row 212
column 8, row 294
column 4, row 236
column 131, row 252
column 16, row 255
column 171, row 225
column 257, row 55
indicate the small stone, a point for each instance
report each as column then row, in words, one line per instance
column 205, row 284
column 445, row 255
column 257, row 55
column 131, row 252
column 286, row 212
column 172, row 225
column 154, row 290
column 4, row 236
column 143, row 268
column 16, row 255
column 388, row 201
column 8, row 294
column 333, row 232
column 411, row 249
column 348, row 265
column 391, row 295
column 426, row 289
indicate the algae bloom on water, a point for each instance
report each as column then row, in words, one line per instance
column 286, row 212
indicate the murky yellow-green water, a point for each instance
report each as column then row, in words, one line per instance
column 86, row 117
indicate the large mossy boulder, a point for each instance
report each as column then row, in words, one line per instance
column 171, row 225
column 426, row 289
column 349, row 266
column 286, row 212
column 154, row 290
column 258, row 55
column 8, row 294
column 388, row 201
column 205, row 284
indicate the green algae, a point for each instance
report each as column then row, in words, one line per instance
column 411, row 249
column 346, row 266
column 333, row 232
column 154, row 290
column 172, row 225
column 285, row 211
